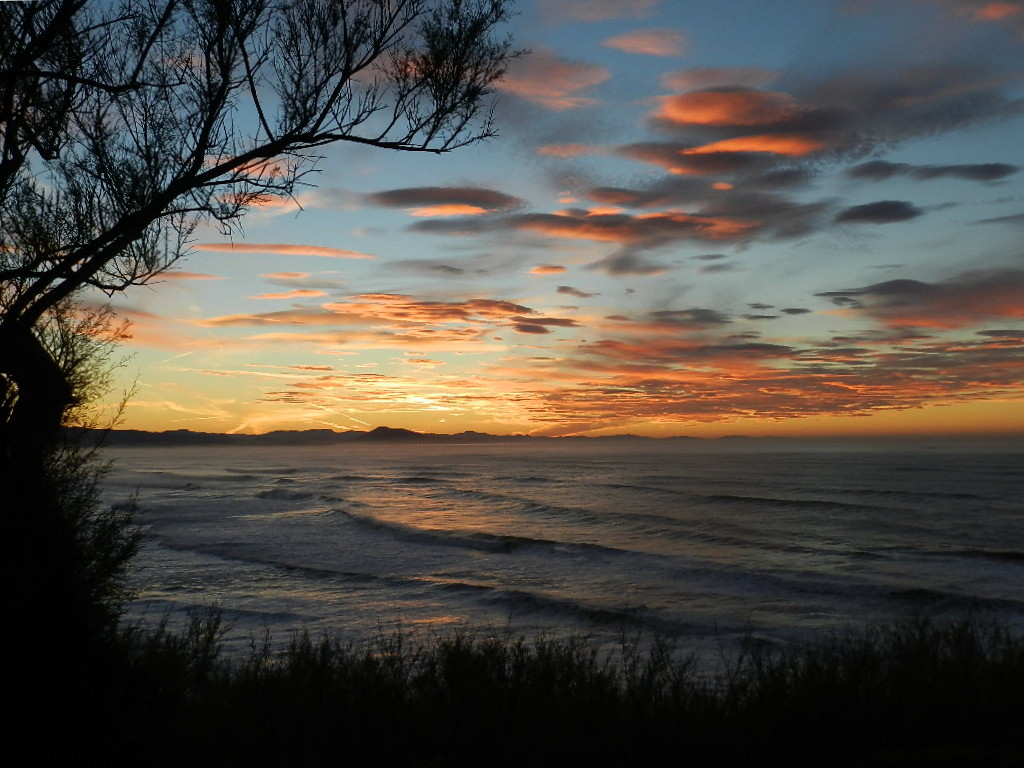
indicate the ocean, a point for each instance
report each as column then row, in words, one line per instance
column 706, row 542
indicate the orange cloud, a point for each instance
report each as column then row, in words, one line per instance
column 740, row 107
column 299, row 293
column 547, row 269
column 667, row 369
column 449, row 210
column 663, row 226
column 147, row 329
column 283, row 249
column 286, row 275
column 791, row 145
column 650, row 42
column 997, row 11
column 398, row 319
column 554, row 83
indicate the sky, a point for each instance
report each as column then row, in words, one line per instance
column 713, row 217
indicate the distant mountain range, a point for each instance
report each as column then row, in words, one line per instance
column 130, row 437
column 123, row 437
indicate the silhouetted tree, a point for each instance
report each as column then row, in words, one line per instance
column 126, row 124
column 74, row 548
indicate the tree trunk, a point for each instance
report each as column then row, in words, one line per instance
column 32, row 427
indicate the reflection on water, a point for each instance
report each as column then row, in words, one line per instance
column 701, row 540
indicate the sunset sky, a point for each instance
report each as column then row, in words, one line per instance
column 700, row 218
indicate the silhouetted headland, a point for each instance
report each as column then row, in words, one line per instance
column 128, row 437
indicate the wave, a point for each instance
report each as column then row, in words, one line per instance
column 970, row 553
column 939, row 599
column 264, row 470
column 478, row 540
column 921, row 494
column 799, row 503
column 515, row 603
column 239, row 554
column 1001, row 555
column 284, row 494
column 510, row 499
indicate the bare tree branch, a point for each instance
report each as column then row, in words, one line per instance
column 124, row 126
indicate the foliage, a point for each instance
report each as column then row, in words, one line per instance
column 916, row 694
column 69, row 549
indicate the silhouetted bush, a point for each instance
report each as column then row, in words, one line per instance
column 910, row 694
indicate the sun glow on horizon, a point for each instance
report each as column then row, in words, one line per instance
column 689, row 225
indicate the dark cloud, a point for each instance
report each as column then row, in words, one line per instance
column 628, row 263
column 1003, row 334
column 431, row 197
column 878, row 170
column 690, row 318
column 776, row 216
column 530, row 328
column 673, row 158
column 965, row 300
column 752, row 349
column 880, row 107
column 638, row 232
column 714, row 268
column 563, row 322
column 427, row 267
column 541, row 324
column 881, row 170
column 882, row 212
column 1014, row 219
column 569, row 290
column 760, row 213
column 781, row 178
column 976, row 172
column 670, row 190
column 796, row 311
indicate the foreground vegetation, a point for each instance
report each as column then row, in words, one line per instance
column 916, row 694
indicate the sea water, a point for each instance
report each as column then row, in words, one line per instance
column 705, row 542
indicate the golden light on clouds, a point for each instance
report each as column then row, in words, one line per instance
column 822, row 238
column 792, row 145
column 283, row 249
column 650, row 42
column 729, row 108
